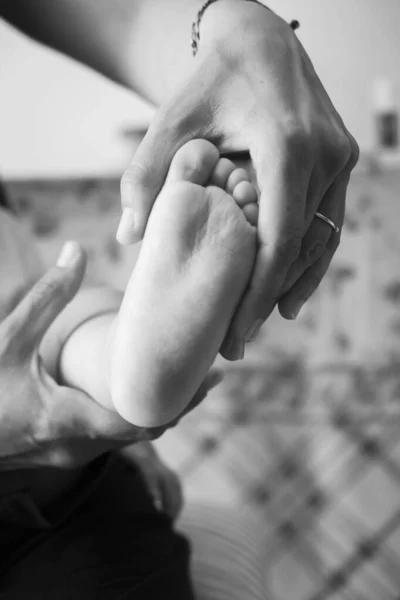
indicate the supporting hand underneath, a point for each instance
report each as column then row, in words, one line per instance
column 43, row 424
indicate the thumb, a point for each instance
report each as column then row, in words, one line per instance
column 29, row 321
column 145, row 176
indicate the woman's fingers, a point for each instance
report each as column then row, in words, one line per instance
column 283, row 183
column 321, row 240
column 319, row 234
column 319, row 246
column 29, row 321
column 288, row 232
column 314, row 246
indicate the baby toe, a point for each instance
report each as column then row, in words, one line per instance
column 245, row 193
column 194, row 162
column 221, row 173
column 236, row 177
column 251, row 213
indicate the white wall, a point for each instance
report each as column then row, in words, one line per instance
column 57, row 117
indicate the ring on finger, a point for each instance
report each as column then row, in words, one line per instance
column 328, row 221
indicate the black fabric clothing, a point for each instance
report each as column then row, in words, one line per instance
column 106, row 541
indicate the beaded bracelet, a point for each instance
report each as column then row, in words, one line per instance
column 195, row 39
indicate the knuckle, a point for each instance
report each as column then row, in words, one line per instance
column 314, row 251
column 355, row 152
column 184, row 123
column 295, row 136
column 295, row 147
column 337, row 151
column 344, row 149
column 287, row 250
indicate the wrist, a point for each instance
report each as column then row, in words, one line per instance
column 227, row 22
column 158, row 54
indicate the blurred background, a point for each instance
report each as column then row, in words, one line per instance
column 304, row 432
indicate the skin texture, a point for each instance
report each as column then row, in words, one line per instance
column 44, row 424
column 192, row 270
column 256, row 89
column 251, row 87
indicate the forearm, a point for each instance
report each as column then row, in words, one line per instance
column 142, row 44
column 93, row 32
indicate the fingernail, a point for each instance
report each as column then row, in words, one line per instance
column 69, row 254
column 295, row 311
column 126, row 229
column 235, row 350
column 253, row 331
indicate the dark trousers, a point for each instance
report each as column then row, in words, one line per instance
column 113, row 544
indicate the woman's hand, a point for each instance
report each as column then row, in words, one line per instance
column 253, row 87
column 41, row 422
column 162, row 483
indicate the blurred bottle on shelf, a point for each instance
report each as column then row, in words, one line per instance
column 386, row 116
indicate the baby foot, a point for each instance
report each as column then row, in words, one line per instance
column 194, row 265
